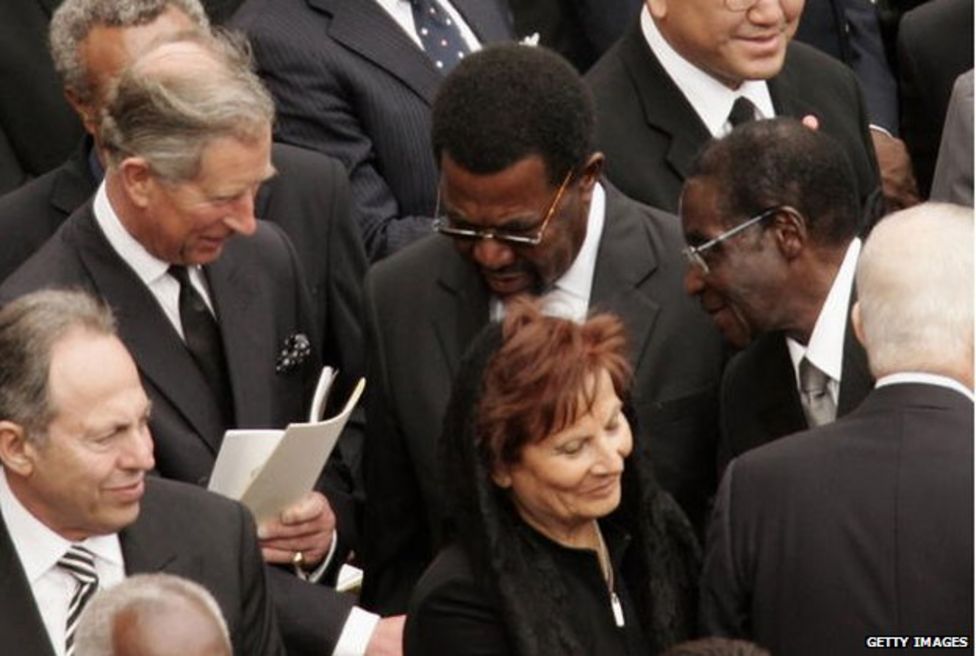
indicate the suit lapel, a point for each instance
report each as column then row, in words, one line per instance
column 366, row 29
column 482, row 17
column 461, row 301
column 145, row 547
column 665, row 108
column 779, row 409
column 154, row 344
column 787, row 99
column 624, row 260
column 243, row 338
column 856, row 380
column 20, row 621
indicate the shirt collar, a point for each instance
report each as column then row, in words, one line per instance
column 578, row 279
column 40, row 548
column 147, row 266
column 826, row 346
column 925, row 378
column 711, row 99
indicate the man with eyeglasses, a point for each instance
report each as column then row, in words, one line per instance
column 769, row 214
column 522, row 210
column 687, row 71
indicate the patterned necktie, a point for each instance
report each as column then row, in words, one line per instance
column 743, row 111
column 439, row 34
column 202, row 335
column 80, row 563
column 818, row 405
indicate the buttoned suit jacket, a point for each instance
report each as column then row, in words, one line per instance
column 181, row 531
column 651, row 134
column 862, row 527
column 349, row 82
column 259, row 301
column 423, row 307
column 759, row 398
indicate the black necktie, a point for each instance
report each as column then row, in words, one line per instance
column 439, row 34
column 80, row 563
column 743, row 111
column 202, row 336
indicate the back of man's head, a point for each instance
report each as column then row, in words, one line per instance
column 764, row 164
column 915, row 292
column 179, row 97
column 75, row 19
column 506, row 103
column 30, row 327
column 152, row 615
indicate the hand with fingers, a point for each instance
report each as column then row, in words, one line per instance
column 301, row 535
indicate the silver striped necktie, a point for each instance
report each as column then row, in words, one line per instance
column 80, row 563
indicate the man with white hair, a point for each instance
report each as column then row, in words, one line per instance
column 153, row 615
column 824, row 541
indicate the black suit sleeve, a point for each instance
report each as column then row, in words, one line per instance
column 396, row 548
column 724, row 600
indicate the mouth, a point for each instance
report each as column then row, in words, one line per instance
column 606, row 488
column 764, row 42
column 128, row 493
column 504, row 283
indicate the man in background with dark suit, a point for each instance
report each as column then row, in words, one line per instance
column 523, row 210
column 77, row 509
column 864, row 528
column 221, row 328
column 769, row 217
column 689, row 70
column 355, row 79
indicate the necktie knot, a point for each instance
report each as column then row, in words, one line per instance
column 818, row 406
column 743, row 111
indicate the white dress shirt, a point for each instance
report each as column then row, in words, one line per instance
column 402, row 13
column 39, row 549
column 569, row 297
column 711, row 99
column 153, row 272
column 826, row 346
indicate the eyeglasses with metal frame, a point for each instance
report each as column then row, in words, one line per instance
column 694, row 254
column 442, row 224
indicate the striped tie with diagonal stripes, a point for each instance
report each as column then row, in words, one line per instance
column 80, row 563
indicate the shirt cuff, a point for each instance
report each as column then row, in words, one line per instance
column 356, row 633
column 881, row 128
column 316, row 574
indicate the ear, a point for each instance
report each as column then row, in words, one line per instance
column 856, row 322
column 16, row 452
column 791, row 233
column 658, row 8
column 589, row 176
column 501, row 475
column 137, row 180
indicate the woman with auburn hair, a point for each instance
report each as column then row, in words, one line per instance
column 558, row 541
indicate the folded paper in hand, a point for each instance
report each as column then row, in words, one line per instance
column 268, row 470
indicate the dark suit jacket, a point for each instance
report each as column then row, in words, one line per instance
column 181, row 531
column 259, row 302
column 349, row 82
column 760, row 402
column 579, row 30
column 39, row 125
column 651, row 134
column 862, row 527
column 935, row 46
column 849, row 30
column 425, row 305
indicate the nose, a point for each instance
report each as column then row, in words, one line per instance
column 492, row 254
column 241, row 217
column 138, row 452
column 613, row 450
column 694, row 280
column 768, row 12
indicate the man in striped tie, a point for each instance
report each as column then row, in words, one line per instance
column 77, row 511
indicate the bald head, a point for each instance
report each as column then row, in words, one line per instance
column 915, row 293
